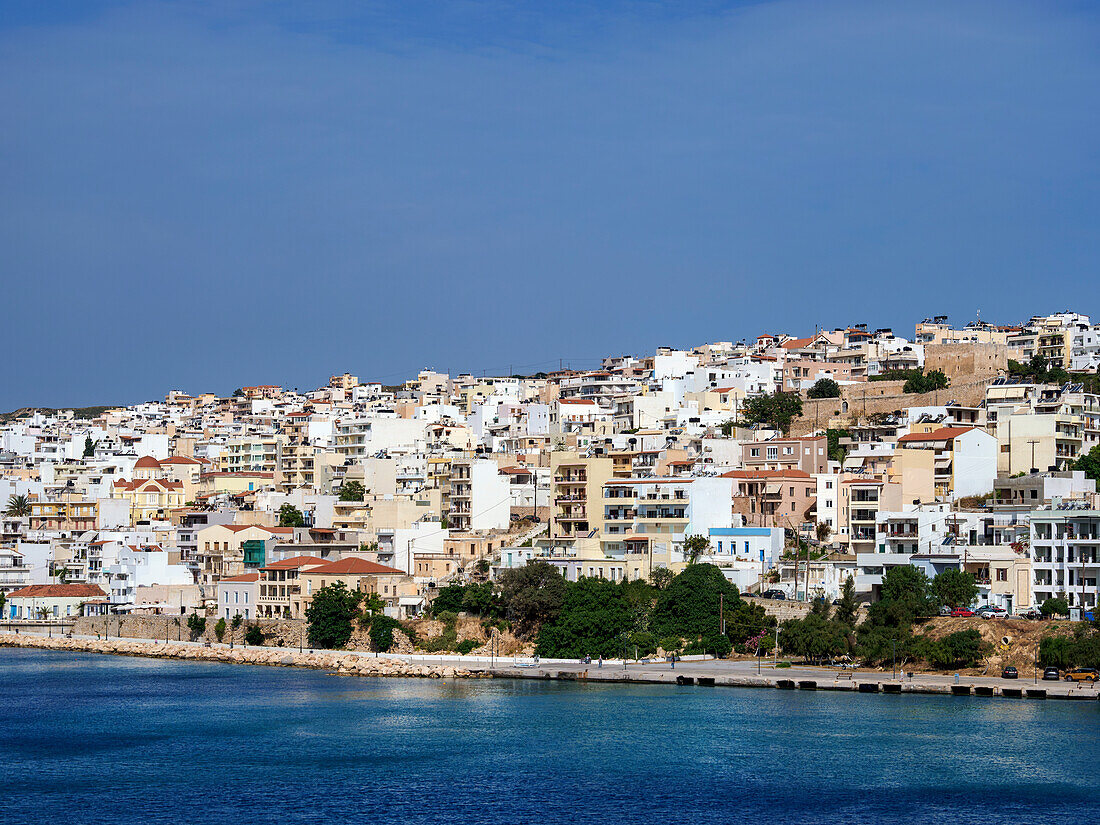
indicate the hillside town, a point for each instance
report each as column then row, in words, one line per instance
column 792, row 463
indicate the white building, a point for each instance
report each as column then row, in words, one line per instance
column 237, row 596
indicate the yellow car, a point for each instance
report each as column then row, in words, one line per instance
column 1082, row 674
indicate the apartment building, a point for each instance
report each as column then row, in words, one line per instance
column 964, row 459
column 773, row 498
column 480, row 497
column 577, row 487
column 810, row 455
column 1064, row 544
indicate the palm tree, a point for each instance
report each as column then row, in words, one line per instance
column 18, row 506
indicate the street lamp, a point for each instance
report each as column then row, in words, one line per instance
column 894, row 665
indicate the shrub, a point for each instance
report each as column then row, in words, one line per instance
column 219, row 629
column 962, row 649
column 466, row 645
column 237, row 620
column 254, row 636
column 196, row 624
column 671, row 643
column 1054, row 607
column 824, row 388
column 644, row 641
column 381, row 632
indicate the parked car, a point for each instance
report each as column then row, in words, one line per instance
column 773, row 594
column 1051, row 674
column 990, row 612
column 1029, row 613
column 1082, row 674
column 945, row 611
column 961, row 612
column 1010, row 673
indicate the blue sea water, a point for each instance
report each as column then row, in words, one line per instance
column 104, row 739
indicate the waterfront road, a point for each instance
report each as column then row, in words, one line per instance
column 765, row 674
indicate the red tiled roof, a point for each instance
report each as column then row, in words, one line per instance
column 247, row 577
column 147, row 462
column 749, row 474
column 356, row 567
column 797, row 343
column 294, row 563
column 58, row 591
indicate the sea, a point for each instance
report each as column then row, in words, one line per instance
column 88, row 738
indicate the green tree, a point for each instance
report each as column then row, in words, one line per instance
column 352, row 491
column 1089, row 463
column 595, row 620
column 661, row 577
column 89, row 446
column 219, row 628
column 694, row 547
column 254, row 636
column 19, row 506
column 836, row 452
column 688, row 607
column 954, row 588
column 926, row 382
column 824, row 388
column 1054, row 607
column 848, row 608
column 448, row 599
column 237, row 620
column 532, row 595
column 776, row 410
column 291, row 516
column 482, row 600
column 196, row 624
column 381, row 633
column 815, row 638
column 823, row 531
column 330, row 615
column 906, row 584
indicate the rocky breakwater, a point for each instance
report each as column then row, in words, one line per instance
column 335, row 660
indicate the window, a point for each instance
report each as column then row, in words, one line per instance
column 773, row 452
column 788, row 451
column 792, row 492
column 1002, row 575
column 828, row 485
column 746, row 547
column 754, row 452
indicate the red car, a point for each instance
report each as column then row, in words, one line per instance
column 962, row 612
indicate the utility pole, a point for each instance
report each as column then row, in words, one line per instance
column 1033, row 442
column 722, row 613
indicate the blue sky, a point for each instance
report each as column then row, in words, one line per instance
column 205, row 195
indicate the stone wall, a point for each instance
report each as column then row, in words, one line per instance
column 277, row 632
column 857, row 401
column 782, row 610
column 966, row 361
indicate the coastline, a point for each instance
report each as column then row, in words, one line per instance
column 699, row 673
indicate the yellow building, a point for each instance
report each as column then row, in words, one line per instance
column 396, row 588
column 576, row 498
column 150, row 499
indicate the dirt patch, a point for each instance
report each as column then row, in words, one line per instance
column 1014, row 641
